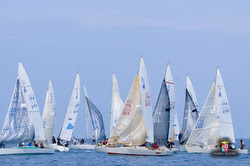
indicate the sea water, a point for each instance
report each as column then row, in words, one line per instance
column 91, row 157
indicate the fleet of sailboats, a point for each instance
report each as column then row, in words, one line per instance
column 134, row 127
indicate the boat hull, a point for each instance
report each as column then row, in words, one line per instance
column 101, row 149
column 242, row 151
column 182, row 148
column 138, row 151
column 25, row 150
column 82, row 146
column 196, row 149
column 58, row 148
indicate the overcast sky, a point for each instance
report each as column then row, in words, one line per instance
column 57, row 39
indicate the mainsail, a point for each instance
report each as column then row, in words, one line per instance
column 17, row 124
column 116, row 104
column 190, row 111
column 130, row 128
column 173, row 129
column 72, row 112
column 31, row 103
column 161, row 116
column 146, row 105
column 49, row 114
column 97, row 121
column 214, row 122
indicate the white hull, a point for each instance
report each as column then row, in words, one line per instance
column 196, row 149
column 58, row 148
column 138, row 151
column 242, row 151
column 101, row 149
column 82, row 146
column 182, row 148
column 25, row 150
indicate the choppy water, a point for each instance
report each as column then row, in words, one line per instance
column 90, row 157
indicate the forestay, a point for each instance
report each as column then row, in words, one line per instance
column 49, row 114
column 116, row 104
column 161, row 116
column 190, row 111
column 130, row 129
column 72, row 112
column 146, row 105
column 31, row 103
column 97, row 121
column 17, row 124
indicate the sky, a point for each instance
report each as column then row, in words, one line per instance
column 57, row 39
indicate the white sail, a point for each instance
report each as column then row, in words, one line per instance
column 130, row 128
column 31, row 103
column 116, row 104
column 146, row 105
column 176, row 127
column 190, row 88
column 17, row 124
column 223, row 109
column 49, row 114
column 171, row 91
column 87, row 117
column 72, row 112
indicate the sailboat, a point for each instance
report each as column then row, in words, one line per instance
column 49, row 115
column 174, row 124
column 115, row 111
column 87, row 119
column 23, row 121
column 214, row 122
column 97, row 123
column 135, row 125
column 190, row 113
column 71, row 115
